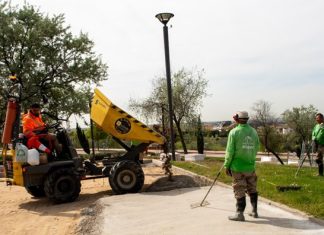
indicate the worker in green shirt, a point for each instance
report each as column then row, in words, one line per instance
column 241, row 150
column 318, row 138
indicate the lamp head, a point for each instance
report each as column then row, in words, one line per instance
column 164, row 17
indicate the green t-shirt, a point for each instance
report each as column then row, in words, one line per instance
column 318, row 133
column 241, row 150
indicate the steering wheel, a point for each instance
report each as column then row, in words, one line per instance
column 55, row 126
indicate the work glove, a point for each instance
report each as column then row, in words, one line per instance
column 228, row 172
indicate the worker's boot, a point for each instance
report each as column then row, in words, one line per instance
column 254, row 203
column 240, row 207
column 320, row 169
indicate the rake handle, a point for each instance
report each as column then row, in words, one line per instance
column 218, row 174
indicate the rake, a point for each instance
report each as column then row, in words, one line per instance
column 203, row 202
column 283, row 188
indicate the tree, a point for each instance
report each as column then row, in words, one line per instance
column 47, row 60
column 188, row 90
column 200, row 137
column 265, row 120
column 98, row 134
column 301, row 120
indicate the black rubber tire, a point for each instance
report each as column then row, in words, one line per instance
column 62, row 185
column 36, row 191
column 126, row 177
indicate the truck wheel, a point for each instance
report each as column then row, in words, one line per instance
column 36, row 191
column 62, row 185
column 126, row 177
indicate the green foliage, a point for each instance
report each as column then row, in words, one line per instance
column 301, row 120
column 200, row 137
column 210, row 143
column 98, row 135
column 309, row 199
column 47, row 60
column 275, row 140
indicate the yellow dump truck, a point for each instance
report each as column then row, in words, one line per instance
column 59, row 177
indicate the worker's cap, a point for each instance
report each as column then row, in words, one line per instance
column 319, row 114
column 242, row 115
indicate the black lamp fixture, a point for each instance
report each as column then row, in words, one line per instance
column 164, row 17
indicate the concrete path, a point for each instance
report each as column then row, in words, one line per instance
column 170, row 213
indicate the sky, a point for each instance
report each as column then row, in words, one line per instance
column 251, row 50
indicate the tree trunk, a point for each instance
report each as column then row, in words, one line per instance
column 181, row 138
column 276, row 155
column 270, row 150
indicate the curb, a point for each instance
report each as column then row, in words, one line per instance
column 204, row 181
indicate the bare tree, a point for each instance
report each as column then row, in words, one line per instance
column 265, row 120
column 188, row 87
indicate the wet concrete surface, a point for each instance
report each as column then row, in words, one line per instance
column 170, row 212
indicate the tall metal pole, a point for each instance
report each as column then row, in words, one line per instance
column 168, row 75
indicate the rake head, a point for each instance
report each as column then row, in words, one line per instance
column 288, row 188
column 199, row 204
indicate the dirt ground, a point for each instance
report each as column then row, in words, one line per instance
column 23, row 214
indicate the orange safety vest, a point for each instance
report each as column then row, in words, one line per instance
column 30, row 123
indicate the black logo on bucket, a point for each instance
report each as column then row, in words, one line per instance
column 122, row 125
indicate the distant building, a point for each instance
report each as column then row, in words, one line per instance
column 218, row 128
column 283, row 128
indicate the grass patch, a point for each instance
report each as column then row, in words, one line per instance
column 309, row 199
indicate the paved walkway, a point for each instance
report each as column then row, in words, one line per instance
column 170, row 212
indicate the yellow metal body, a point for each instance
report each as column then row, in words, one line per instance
column 18, row 178
column 120, row 124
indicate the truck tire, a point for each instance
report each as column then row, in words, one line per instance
column 62, row 185
column 126, row 177
column 36, row 191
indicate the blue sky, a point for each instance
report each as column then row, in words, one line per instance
column 250, row 50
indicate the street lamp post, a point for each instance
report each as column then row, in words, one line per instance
column 164, row 19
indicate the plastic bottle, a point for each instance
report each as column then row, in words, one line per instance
column 33, row 157
column 21, row 153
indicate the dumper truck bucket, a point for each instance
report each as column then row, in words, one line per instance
column 120, row 124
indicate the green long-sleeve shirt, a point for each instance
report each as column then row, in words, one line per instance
column 318, row 133
column 242, row 147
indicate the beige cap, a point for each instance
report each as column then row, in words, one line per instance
column 242, row 115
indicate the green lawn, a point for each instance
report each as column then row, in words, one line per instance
column 309, row 199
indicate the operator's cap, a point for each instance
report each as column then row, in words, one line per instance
column 242, row 115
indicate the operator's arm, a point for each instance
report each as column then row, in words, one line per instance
column 314, row 133
column 29, row 127
column 230, row 149
column 257, row 145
